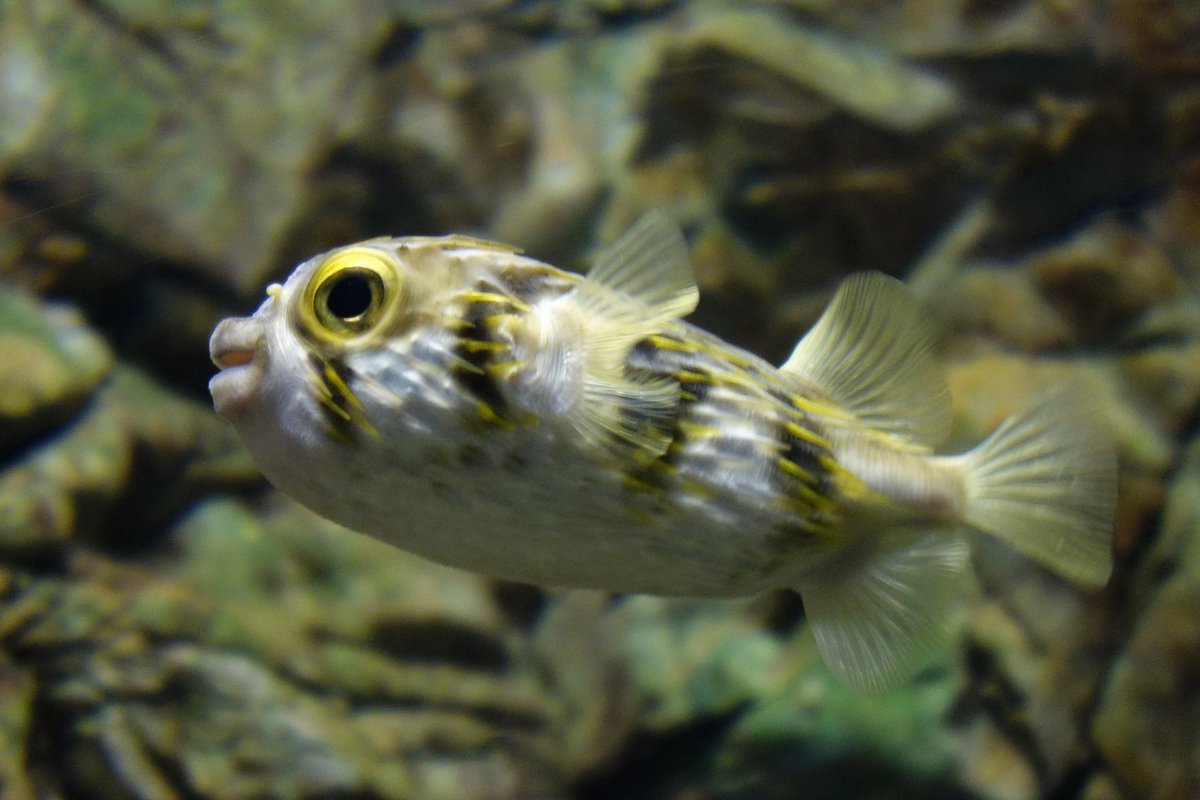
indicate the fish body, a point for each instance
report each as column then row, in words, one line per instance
column 488, row 411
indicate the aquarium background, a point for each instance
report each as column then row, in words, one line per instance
column 170, row 627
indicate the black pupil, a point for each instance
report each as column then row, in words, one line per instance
column 350, row 296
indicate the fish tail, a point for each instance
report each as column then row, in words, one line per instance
column 1044, row 482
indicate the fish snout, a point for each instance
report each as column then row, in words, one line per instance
column 234, row 342
column 236, row 350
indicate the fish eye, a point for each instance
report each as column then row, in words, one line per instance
column 349, row 294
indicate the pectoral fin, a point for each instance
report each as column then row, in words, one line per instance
column 637, row 286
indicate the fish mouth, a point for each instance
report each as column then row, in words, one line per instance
column 237, row 357
column 236, row 350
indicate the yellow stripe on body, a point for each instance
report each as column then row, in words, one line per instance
column 796, row 471
column 333, row 378
column 805, row 434
column 489, row 415
column 476, row 296
column 330, row 387
column 482, row 346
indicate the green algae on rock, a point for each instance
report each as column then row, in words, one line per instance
column 200, row 682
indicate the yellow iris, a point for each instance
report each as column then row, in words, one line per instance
column 349, row 295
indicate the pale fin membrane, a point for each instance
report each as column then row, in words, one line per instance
column 649, row 263
column 880, row 604
column 871, row 352
column 640, row 283
column 1045, row 482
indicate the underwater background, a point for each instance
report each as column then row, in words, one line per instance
column 170, row 627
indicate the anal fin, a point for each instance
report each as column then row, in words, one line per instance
column 879, row 604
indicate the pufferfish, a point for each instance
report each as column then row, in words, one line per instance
column 482, row 409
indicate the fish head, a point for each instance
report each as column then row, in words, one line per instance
column 350, row 362
column 335, row 306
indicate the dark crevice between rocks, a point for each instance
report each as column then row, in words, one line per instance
column 397, row 46
column 618, row 16
column 1016, row 77
column 1110, row 161
column 988, row 690
column 522, row 604
column 684, row 762
column 439, row 642
column 660, row 764
column 785, row 613
column 1071, row 786
column 490, row 714
column 154, row 311
column 147, row 39
column 357, row 194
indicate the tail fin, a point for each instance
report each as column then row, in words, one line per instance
column 1045, row 483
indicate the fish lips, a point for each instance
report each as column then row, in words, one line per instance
column 236, row 350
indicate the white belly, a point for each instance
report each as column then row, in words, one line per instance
column 516, row 505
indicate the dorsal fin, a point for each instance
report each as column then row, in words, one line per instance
column 638, row 285
column 871, row 352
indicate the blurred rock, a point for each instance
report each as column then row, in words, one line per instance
column 171, row 628
column 734, row 702
column 1104, row 279
column 263, row 660
column 145, row 120
column 1003, row 304
column 137, row 455
column 850, row 74
column 50, row 364
column 1141, row 725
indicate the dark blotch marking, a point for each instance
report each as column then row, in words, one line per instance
column 515, row 462
column 472, row 456
column 645, row 361
column 697, row 389
column 645, row 356
column 803, row 454
column 528, row 283
column 480, row 384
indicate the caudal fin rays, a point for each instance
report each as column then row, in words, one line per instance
column 1045, row 482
